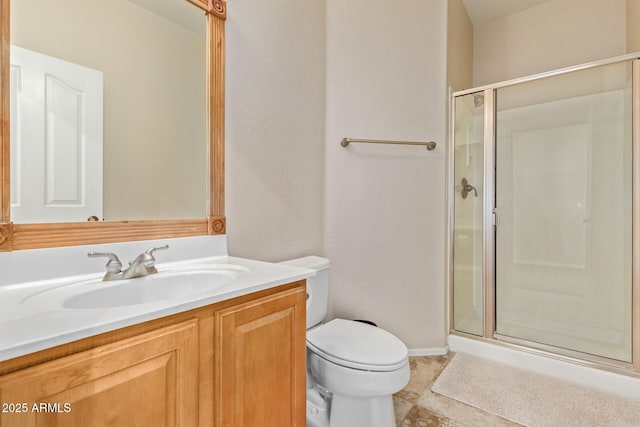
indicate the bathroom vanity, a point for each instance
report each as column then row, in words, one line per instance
column 228, row 364
column 233, row 355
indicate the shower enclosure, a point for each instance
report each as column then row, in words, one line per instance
column 544, row 208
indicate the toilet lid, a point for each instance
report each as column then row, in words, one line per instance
column 357, row 345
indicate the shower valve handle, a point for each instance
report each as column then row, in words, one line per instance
column 467, row 188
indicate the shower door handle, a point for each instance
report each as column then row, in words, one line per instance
column 467, row 188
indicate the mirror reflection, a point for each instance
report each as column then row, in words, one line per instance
column 108, row 110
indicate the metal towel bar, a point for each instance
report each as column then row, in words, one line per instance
column 346, row 141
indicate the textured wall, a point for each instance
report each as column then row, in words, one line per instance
column 459, row 47
column 633, row 29
column 275, row 99
column 385, row 204
column 383, row 223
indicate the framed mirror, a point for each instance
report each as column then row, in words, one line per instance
column 112, row 124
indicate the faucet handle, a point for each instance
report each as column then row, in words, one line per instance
column 147, row 257
column 151, row 250
column 113, row 265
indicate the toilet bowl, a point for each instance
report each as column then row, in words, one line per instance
column 353, row 368
column 360, row 366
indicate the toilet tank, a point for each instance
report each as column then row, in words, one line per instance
column 317, row 287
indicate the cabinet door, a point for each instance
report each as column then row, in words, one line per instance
column 260, row 362
column 147, row 380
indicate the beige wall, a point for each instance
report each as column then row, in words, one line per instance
column 154, row 99
column 459, row 47
column 376, row 212
column 633, row 26
column 275, row 99
column 553, row 35
column 385, row 236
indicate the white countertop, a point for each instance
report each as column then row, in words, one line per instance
column 29, row 327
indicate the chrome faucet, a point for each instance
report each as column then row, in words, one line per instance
column 143, row 265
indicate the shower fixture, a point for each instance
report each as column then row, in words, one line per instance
column 467, row 188
column 478, row 99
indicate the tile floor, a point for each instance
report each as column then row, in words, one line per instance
column 417, row 406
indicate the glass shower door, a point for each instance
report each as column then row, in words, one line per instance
column 468, row 158
column 564, row 206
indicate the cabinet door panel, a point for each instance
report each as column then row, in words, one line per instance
column 260, row 362
column 150, row 379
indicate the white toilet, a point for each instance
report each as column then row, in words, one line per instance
column 353, row 368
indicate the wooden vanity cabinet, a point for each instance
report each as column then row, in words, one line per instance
column 260, row 362
column 239, row 363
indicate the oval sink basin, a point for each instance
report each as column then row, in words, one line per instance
column 175, row 283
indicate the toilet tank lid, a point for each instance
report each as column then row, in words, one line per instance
column 311, row 262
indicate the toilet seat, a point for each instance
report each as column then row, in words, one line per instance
column 357, row 345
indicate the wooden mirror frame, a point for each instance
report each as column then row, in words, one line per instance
column 46, row 235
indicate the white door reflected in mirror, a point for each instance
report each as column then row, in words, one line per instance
column 56, row 139
column 154, row 121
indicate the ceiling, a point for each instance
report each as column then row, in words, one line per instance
column 483, row 11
